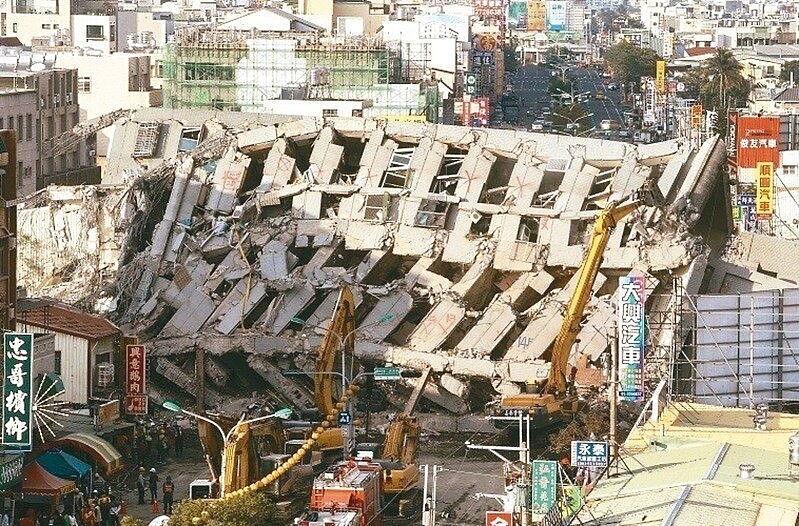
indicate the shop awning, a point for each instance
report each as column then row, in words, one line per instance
column 101, row 451
column 37, row 482
column 62, row 464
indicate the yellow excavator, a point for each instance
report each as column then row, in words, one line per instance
column 552, row 403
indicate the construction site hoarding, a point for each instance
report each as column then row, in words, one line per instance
column 631, row 337
column 757, row 140
column 764, row 198
column 536, row 16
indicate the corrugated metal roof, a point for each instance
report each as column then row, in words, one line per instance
column 67, row 320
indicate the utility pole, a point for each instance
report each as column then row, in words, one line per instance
column 613, row 393
column 199, row 376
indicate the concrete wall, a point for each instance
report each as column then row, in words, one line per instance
column 27, row 26
column 106, row 43
column 16, row 107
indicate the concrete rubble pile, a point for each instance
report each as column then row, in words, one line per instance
column 461, row 245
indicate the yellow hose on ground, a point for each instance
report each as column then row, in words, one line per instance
column 295, row 459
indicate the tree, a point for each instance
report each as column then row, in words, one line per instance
column 250, row 509
column 558, row 84
column 792, row 66
column 631, row 62
column 571, row 118
column 509, row 52
column 719, row 85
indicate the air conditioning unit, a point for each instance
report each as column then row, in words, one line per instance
column 105, row 374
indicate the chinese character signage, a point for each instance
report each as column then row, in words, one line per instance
column 696, row 116
column 475, row 112
column 11, row 471
column 499, row 518
column 631, row 337
column 536, row 16
column 660, row 76
column 764, row 198
column 545, row 485
column 135, row 374
column 757, row 141
column 17, row 391
column 589, row 454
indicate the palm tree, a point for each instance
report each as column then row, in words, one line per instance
column 724, row 85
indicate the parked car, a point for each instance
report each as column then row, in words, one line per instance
column 599, row 96
column 613, row 86
column 609, row 124
column 536, row 127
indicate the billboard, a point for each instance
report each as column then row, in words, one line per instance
column 499, row 518
column 517, row 14
column 536, row 16
column 556, row 15
column 757, row 141
column 589, row 454
column 660, row 76
column 631, row 337
column 17, row 391
column 764, row 198
column 135, row 380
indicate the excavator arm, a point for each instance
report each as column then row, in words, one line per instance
column 340, row 333
column 603, row 226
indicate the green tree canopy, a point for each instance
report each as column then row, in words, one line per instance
column 631, row 62
column 574, row 114
column 248, row 510
column 558, row 84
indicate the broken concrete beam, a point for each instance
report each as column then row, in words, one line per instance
column 323, row 257
column 366, row 349
column 436, row 326
column 278, row 167
column 226, row 182
column 239, row 311
column 287, row 306
column 175, row 374
column 300, row 398
column 321, row 316
column 525, row 180
column 216, row 372
column 386, row 316
column 256, row 140
column 522, row 372
column 473, row 173
column 274, row 261
column 476, row 282
column 417, row 241
column 441, row 397
column 453, row 385
column 191, row 316
column 316, row 233
column 307, row 205
column 375, row 265
column 361, row 235
column 427, row 159
column 420, row 275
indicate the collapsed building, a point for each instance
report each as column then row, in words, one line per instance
column 227, row 236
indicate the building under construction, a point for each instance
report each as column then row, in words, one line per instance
column 241, row 70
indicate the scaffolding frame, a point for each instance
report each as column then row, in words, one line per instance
column 240, row 70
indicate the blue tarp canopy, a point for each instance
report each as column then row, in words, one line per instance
column 63, row 464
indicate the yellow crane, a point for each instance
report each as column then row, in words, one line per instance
column 553, row 401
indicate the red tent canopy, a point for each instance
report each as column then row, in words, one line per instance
column 36, row 481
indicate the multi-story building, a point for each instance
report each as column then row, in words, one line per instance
column 41, row 103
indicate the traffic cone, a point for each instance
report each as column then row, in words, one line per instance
column 156, row 510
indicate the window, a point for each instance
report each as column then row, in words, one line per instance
column 789, row 169
column 84, row 84
column 57, row 362
column 189, row 138
column 380, row 208
column 28, row 127
column 432, row 213
column 19, row 127
column 528, row 230
column 208, row 71
column 55, row 26
column 4, row 257
column 329, row 113
column 113, row 33
column 94, row 33
column 14, row 27
column 357, row 113
column 45, row 26
column 20, row 171
column 1, row 123
column 146, row 139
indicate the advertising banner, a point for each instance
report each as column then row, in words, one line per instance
column 517, row 14
column 660, row 76
column 764, row 198
column 536, row 16
column 631, row 337
column 17, row 391
column 135, row 380
column 696, row 116
column 556, row 15
column 544, row 478
column 757, row 141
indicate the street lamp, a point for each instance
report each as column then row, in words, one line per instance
column 282, row 414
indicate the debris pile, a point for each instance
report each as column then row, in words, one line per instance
column 460, row 245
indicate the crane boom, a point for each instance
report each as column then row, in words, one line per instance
column 603, row 226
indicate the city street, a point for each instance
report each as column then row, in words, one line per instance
column 531, row 82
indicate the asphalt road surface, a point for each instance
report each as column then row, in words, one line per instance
column 530, row 84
